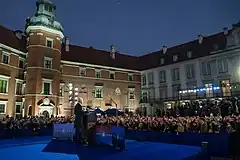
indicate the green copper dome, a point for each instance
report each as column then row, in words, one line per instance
column 44, row 16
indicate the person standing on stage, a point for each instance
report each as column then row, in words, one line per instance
column 79, row 124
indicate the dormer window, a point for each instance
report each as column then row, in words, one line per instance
column 175, row 58
column 215, row 46
column 189, row 54
column 162, row 61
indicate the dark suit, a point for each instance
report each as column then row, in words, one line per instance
column 79, row 126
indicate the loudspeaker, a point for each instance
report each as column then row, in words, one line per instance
column 233, row 143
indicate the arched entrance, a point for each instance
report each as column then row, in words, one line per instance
column 45, row 114
column 45, row 108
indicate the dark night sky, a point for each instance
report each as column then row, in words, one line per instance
column 134, row 26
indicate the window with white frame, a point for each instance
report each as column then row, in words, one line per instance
column 47, row 62
column 131, row 93
column 98, row 91
column 18, row 107
column 144, row 80
column 19, row 87
column 162, row 76
column 130, row 77
column 46, row 86
column 222, row 65
column 3, row 105
column 5, row 58
column 49, row 42
column 206, row 68
column 82, row 72
column 175, row 74
column 150, row 78
column 190, row 71
column 3, row 84
column 98, row 74
column 144, row 97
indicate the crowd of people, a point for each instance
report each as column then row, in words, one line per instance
column 211, row 117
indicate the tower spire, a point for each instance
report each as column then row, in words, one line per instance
column 45, row 16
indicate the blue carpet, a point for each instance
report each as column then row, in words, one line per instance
column 43, row 148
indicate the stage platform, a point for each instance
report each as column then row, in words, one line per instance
column 44, row 148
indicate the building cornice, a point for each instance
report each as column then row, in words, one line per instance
column 97, row 66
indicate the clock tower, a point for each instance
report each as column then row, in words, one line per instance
column 45, row 36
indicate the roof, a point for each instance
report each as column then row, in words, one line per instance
column 209, row 44
column 9, row 38
column 99, row 57
column 148, row 61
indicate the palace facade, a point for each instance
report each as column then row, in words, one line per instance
column 42, row 73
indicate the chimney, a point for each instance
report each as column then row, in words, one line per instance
column 112, row 51
column 225, row 31
column 164, row 49
column 67, row 44
column 200, row 39
column 19, row 34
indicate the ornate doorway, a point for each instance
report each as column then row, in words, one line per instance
column 45, row 114
column 45, row 108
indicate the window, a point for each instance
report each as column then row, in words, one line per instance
column 150, row 78
column 206, row 68
column 189, row 54
column 61, row 92
column 144, row 97
column 98, row 92
column 2, row 108
column 190, row 72
column 82, row 72
column 175, row 74
column 112, row 75
column 144, row 80
column 18, row 108
column 49, row 42
column 5, row 59
column 175, row 58
column 19, row 88
column 47, row 86
column 222, row 65
column 131, row 94
column 47, row 62
column 162, row 61
column 98, row 74
column 48, row 8
column 130, row 77
column 21, row 64
column 162, row 76
column 3, row 86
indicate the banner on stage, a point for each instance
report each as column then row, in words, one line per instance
column 65, row 131
column 104, row 134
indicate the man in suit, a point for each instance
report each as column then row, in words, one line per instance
column 79, row 121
